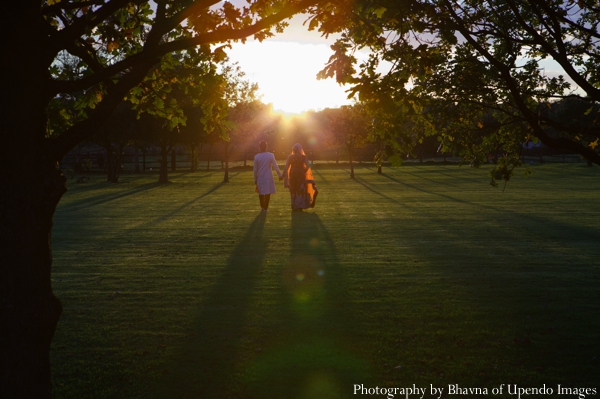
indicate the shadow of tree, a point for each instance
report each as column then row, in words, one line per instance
column 316, row 353
column 199, row 369
column 105, row 196
column 309, row 349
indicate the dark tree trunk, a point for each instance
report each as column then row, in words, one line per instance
column 192, row 159
column 31, row 186
column 29, row 311
column 208, row 158
column 226, row 177
column 163, row 174
column 351, row 164
column 109, row 159
column 199, row 157
column 114, row 157
column 379, row 170
column 173, row 161
column 136, row 160
column 114, row 162
column 144, row 159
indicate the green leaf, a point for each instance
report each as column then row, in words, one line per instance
column 380, row 11
column 159, row 103
column 395, row 159
column 220, row 54
column 137, row 91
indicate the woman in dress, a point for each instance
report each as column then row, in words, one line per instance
column 298, row 177
column 264, row 162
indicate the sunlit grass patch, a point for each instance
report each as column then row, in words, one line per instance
column 422, row 275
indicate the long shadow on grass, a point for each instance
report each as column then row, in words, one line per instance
column 314, row 352
column 109, row 196
column 533, row 220
column 124, row 192
column 483, row 288
column 204, row 367
column 427, row 191
column 368, row 187
column 202, row 174
column 306, row 348
column 189, row 203
column 447, row 171
column 321, row 177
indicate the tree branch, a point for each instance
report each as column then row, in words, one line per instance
column 196, row 7
column 560, row 57
column 87, row 21
column 220, row 35
column 86, row 128
column 86, row 56
column 569, row 22
column 513, row 87
column 140, row 64
column 63, row 5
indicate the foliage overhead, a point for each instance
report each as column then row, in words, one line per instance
column 101, row 51
column 348, row 127
column 451, row 67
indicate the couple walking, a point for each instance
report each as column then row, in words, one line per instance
column 296, row 176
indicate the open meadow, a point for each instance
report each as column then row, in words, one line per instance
column 423, row 275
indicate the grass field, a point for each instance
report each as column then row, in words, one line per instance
column 423, row 275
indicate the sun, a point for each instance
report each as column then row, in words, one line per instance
column 286, row 75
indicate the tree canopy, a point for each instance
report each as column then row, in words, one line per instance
column 451, row 66
column 97, row 51
column 348, row 127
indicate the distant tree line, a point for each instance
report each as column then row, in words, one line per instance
column 347, row 132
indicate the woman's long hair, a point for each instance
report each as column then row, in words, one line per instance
column 297, row 149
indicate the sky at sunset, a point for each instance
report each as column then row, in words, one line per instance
column 285, row 68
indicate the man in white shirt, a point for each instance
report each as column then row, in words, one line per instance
column 264, row 163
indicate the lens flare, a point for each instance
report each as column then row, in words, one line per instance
column 304, row 281
column 322, row 385
column 309, row 367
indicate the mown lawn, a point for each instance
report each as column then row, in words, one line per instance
column 423, row 275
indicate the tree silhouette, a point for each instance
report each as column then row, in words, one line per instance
column 348, row 127
column 469, row 59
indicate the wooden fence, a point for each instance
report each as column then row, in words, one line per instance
column 179, row 160
column 96, row 161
